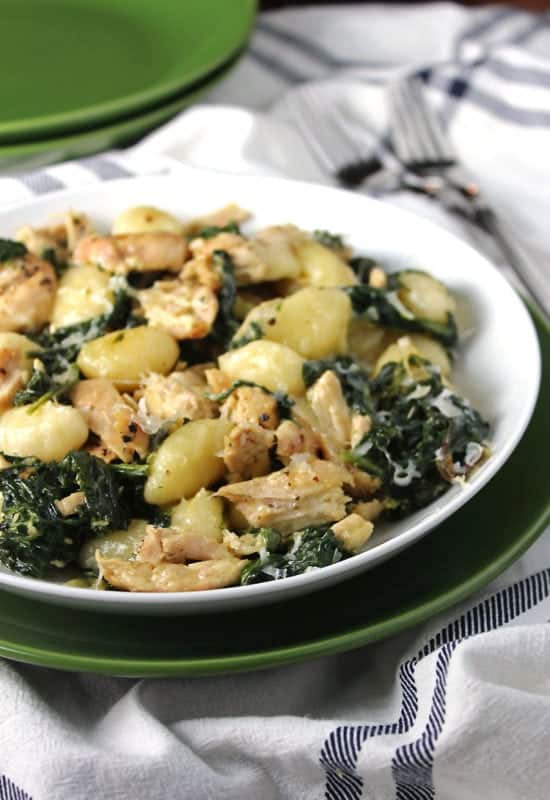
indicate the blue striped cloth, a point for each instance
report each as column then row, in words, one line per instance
column 457, row 709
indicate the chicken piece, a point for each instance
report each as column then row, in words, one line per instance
column 27, row 293
column 332, row 412
column 178, row 396
column 59, row 239
column 220, row 218
column 68, row 505
column 248, row 266
column 360, row 426
column 185, row 310
column 14, row 374
column 370, row 510
column 111, row 419
column 217, row 380
column 202, row 271
column 361, row 484
column 143, row 576
column 293, row 438
column 307, row 492
column 244, row 545
column 246, row 451
column 177, row 547
column 352, row 532
column 139, row 252
column 251, row 405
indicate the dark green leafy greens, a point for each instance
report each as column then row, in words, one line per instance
column 209, row 231
column 311, row 548
column 422, row 436
column 11, row 249
column 226, row 323
column 363, row 266
column 382, row 306
column 332, row 240
column 353, row 379
column 252, row 334
column 34, row 535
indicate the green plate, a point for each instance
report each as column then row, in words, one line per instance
column 68, row 64
column 33, row 155
column 456, row 559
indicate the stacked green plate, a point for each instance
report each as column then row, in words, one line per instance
column 85, row 75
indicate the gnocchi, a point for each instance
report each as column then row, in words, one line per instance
column 48, row 432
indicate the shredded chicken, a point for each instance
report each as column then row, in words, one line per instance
column 177, row 547
column 378, row 278
column 251, row 405
column 293, row 438
column 133, row 252
column 217, row 380
column 246, row 451
column 248, row 266
column 202, row 271
column 307, row 492
column 111, row 419
column 333, row 415
column 13, row 374
column 27, row 293
column 352, row 532
column 143, row 576
column 370, row 510
column 360, row 484
column 244, row 545
column 220, row 218
column 68, row 505
column 178, row 396
column 360, row 426
column 185, row 310
column 60, row 239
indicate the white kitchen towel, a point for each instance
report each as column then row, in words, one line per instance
column 458, row 709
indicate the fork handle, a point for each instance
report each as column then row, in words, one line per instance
column 530, row 274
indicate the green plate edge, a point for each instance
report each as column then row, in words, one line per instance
column 33, row 155
column 235, row 22
column 355, row 636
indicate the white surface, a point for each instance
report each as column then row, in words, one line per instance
column 280, row 734
column 498, row 361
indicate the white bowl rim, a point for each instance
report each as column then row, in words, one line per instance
column 214, row 599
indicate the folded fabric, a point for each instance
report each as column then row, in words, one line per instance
column 457, row 709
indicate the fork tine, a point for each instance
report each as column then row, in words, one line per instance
column 317, row 128
column 441, row 145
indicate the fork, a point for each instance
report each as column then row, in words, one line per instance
column 422, row 145
column 344, row 154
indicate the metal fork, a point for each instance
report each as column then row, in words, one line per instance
column 423, row 147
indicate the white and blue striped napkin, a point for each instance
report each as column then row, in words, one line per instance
column 458, row 709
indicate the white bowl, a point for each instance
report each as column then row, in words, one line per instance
column 498, row 367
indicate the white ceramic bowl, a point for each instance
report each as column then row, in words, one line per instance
column 498, row 367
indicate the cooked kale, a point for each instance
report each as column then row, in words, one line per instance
column 377, row 305
column 43, row 387
column 209, row 231
column 311, row 548
column 225, row 324
column 422, row 436
column 353, row 379
column 253, row 333
column 60, row 348
column 284, row 402
column 363, row 266
column 332, row 240
column 35, row 536
column 11, row 249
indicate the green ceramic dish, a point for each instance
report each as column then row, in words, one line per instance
column 33, row 155
column 461, row 556
column 71, row 64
